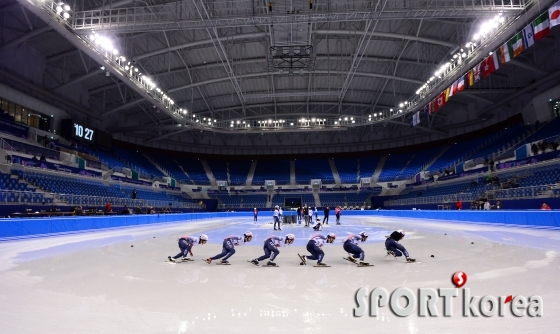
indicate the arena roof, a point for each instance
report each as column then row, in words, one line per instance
column 169, row 69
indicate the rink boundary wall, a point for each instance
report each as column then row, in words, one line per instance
column 526, row 218
column 20, row 228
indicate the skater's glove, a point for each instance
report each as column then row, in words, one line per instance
column 191, row 253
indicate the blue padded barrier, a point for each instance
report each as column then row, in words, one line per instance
column 16, row 228
column 529, row 218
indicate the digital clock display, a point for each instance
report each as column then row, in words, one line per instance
column 83, row 132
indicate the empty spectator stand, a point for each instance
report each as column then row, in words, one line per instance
column 551, row 129
column 394, row 165
column 13, row 191
column 333, row 199
column 219, row 169
column 238, row 172
column 171, row 166
column 195, row 170
column 460, row 151
column 108, row 158
column 347, row 170
column 505, row 141
column 278, row 170
column 368, row 165
column 138, row 162
column 306, row 170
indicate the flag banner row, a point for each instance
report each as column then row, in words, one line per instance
column 521, row 41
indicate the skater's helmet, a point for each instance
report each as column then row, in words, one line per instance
column 401, row 232
column 331, row 236
column 289, row 238
column 203, row 239
column 248, row 236
column 364, row 235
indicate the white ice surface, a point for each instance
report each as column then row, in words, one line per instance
column 96, row 282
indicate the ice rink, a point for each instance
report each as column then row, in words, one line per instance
column 96, row 282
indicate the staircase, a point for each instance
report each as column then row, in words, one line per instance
column 165, row 172
column 292, row 172
column 251, row 174
column 209, row 173
column 270, row 194
column 184, row 172
column 378, row 169
column 335, row 174
column 317, row 198
column 227, row 172
column 435, row 158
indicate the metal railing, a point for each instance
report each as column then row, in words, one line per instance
column 19, row 147
column 38, row 198
column 22, row 197
column 101, row 201
column 183, row 15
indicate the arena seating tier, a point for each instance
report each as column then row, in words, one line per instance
column 195, row 170
column 278, row 170
column 368, row 166
column 138, row 162
column 347, row 170
column 307, row 170
column 219, row 169
column 238, row 172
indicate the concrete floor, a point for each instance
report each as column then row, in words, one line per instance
column 96, row 282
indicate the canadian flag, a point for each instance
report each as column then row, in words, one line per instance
column 490, row 64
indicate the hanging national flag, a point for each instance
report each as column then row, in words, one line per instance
column 415, row 119
column 505, row 53
column 446, row 93
column 427, row 109
column 470, row 78
column 554, row 13
column 476, row 71
column 440, row 101
column 433, row 107
column 528, row 36
column 490, row 64
column 516, row 44
column 460, row 84
column 541, row 26
column 453, row 90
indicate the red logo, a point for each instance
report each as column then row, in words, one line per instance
column 459, row 279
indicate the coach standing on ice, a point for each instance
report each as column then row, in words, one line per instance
column 276, row 217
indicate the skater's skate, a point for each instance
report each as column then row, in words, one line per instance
column 303, row 259
column 322, row 264
column 270, row 263
column 224, row 262
column 255, row 262
column 362, row 263
column 208, row 260
column 351, row 259
column 171, row 259
column 391, row 253
column 409, row 260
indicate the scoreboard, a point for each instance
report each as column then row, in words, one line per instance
column 82, row 132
